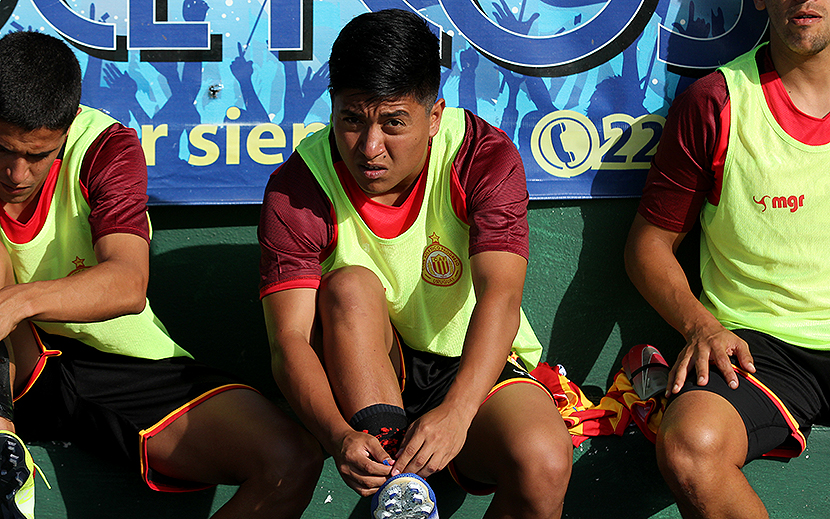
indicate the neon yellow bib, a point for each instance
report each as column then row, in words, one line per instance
column 425, row 270
column 765, row 246
column 64, row 247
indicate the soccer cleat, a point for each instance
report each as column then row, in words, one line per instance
column 647, row 370
column 405, row 496
column 17, row 483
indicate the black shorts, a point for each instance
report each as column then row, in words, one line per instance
column 780, row 402
column 425, row 380
column 112, row 403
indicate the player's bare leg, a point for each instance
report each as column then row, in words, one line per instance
column 238, row 437
column 357, row 340
column 701, row 448
column 519, row 442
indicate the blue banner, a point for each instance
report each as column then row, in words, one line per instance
column 221, row 91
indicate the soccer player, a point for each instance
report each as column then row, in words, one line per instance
column 394, row 250
column 746, row 151
column 83, row 356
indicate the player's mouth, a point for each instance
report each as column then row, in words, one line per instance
column 805, row 18
column 18, row 190
column 372, row 171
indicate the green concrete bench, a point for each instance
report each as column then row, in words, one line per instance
column 577, row 297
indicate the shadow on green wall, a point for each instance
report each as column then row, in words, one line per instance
column 206, row 295
column 586, row 312
column 596, row 314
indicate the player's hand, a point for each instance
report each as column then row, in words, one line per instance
column 360, row 462
column 710, row 346
column 431, row 442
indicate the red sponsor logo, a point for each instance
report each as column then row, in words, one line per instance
column 791, row 202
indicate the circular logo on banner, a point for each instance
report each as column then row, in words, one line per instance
column 441, row 266
column 564, row 143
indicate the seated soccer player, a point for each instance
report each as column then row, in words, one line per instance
column 394, row 250
column 745, row 151
column 84, row 357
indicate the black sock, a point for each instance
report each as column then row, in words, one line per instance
column 385, row 422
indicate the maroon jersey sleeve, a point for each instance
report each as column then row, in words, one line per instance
column 492, row 178
column 295, row 229
column 682, row 173
column 114, row 177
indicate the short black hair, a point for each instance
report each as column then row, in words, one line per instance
column 40, row 81
column 387, row 54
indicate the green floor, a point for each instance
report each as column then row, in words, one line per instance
column 612, row 478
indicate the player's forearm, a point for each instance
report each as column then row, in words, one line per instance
column 303, row 382
column 493, row 326
column 655, row 271
column 102, row 292
column 498, row 278
column 289, row 320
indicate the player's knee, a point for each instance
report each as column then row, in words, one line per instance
column 543, row 467
column 540, row 489
column 344, row 284
column 686, row 454
column 290, row 473
column 553, row 465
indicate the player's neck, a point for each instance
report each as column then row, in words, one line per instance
column 806, row 78
column 24, row 211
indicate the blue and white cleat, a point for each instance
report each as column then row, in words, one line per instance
column 17, row 483
column 405, row 496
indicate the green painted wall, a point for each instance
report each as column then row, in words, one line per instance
column 577, row 295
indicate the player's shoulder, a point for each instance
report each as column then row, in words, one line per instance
column 709, row 91
column 484, row 141
column 293, row 185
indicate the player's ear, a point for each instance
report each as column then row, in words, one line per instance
column 435, row 116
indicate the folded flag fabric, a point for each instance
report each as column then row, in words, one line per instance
column 612, row 415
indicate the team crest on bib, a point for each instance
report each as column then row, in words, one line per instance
column 79, row 266
column 441, row 266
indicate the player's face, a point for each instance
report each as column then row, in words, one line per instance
column 802, row 26
column 25, row 159
column 384, row 144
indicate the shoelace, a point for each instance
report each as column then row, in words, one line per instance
column 42, row 475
